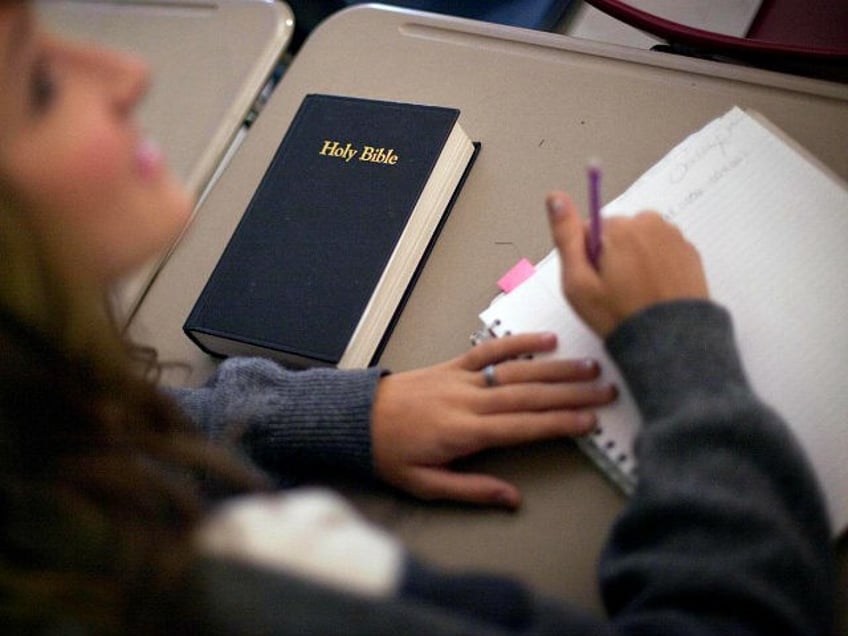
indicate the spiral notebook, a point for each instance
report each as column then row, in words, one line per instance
column 771, row 224
column 537, row 305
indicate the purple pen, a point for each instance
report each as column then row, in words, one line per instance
column 594, row 247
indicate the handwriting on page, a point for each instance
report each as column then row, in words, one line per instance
column 771, row 231
column 696, row 166
column 770, row 227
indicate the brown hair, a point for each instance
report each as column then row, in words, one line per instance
column 100, row 474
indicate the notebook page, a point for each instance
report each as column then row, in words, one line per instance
column 772, row 230
column 536, row 305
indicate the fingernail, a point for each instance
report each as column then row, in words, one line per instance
column 556, row 207
column 587, row 421
column 508, row 499
column 588, row 363
column 549, row 338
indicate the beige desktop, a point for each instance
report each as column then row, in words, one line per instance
column 540, row 104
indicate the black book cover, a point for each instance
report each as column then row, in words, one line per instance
column 312, row 245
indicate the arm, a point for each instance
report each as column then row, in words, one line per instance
column 407, row 428
column 726, row 532
column 288, row 421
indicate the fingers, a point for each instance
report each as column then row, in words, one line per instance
column 539, row 385
column 500, row 349
column 520, row 371
column 533, row 385
column 445, row 484
column 537, row 397
column 515, row 429
column 569, row 234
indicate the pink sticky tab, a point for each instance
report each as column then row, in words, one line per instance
column 520, row 272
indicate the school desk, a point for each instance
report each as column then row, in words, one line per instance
column 540, row 104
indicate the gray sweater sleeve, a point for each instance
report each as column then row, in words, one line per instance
column 288, row 422
column 726, row 532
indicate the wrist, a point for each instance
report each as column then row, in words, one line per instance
column 383, row 414
column 671, row 350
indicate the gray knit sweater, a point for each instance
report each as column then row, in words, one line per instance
column 725, row 534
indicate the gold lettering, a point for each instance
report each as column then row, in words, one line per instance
column 371, row 154
column 334, row 148
column 379, row 155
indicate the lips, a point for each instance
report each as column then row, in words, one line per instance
column 149, row 159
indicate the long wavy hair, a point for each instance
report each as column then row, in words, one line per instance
column 101, row 477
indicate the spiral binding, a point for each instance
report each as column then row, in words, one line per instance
column 597, row 446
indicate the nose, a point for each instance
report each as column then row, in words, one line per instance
column 123, row 77
column 131, row 80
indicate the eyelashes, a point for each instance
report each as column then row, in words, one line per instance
column 43, row 86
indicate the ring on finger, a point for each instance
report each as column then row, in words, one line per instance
column 489, row 375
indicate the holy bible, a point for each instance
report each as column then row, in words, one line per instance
column 332, row 241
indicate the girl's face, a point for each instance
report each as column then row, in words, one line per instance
column 72, row 157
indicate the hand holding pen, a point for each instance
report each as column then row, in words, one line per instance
column 646, row 261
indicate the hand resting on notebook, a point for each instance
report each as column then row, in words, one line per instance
column 425, row 419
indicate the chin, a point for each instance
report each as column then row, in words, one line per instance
column 154, row 225
column 176, row 205
column 184, row 206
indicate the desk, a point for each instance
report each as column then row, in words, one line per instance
column 540, row 103
column 209, row 62
column 728, row 18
